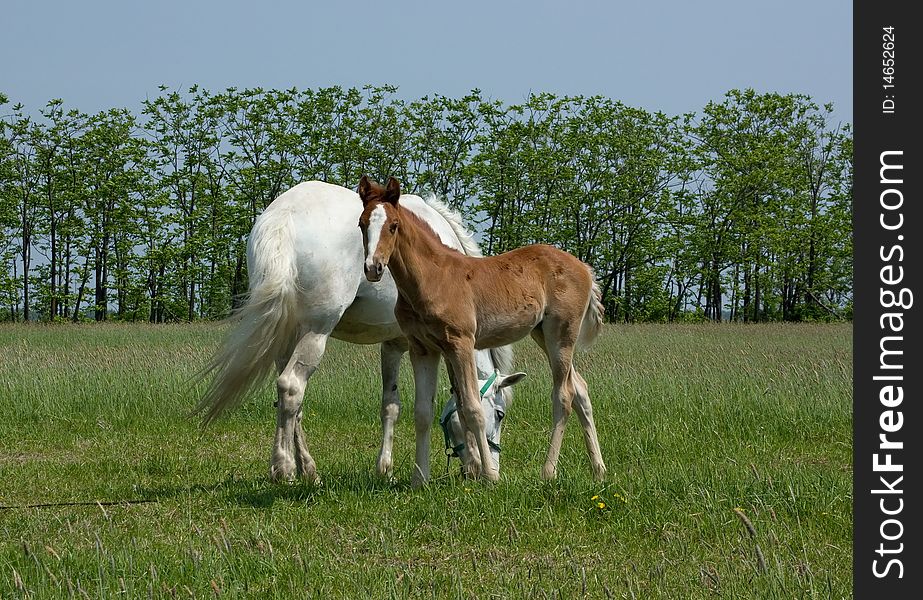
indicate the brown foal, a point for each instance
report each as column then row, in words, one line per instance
column 449, row 304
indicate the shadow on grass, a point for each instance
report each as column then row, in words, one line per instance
column 260, row 492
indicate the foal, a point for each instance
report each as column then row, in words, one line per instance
column 450, row 304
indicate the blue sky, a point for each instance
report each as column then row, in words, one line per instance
column 658, row 55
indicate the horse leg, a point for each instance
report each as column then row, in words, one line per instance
column 585, row 413
column 290, row 452
column 471, row 456
column 391, row 353
column 425, row 373
column 304, row 464
column 471, row 413
column 559, row 348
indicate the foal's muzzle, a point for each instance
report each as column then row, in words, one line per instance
column 374, row 272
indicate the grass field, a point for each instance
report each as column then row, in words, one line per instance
column 695, row 421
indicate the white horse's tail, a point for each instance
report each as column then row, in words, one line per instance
column 593, row 317
column 266, row 324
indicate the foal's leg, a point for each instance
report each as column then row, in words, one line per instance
column 470, row 411
column 290, row 452
column 585, row 414
column 391, row 353
column 425, row 372
column 558, row 344
column 469, row 454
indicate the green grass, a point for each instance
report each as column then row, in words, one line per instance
column 694, row 421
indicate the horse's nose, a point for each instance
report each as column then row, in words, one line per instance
column 373, row 272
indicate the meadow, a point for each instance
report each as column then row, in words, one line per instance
column 728, row 446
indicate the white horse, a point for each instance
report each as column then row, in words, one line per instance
column 305, row 259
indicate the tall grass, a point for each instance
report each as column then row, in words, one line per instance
column 694, row 422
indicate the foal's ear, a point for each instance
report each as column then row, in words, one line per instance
column 366, row 186
column 393, row 191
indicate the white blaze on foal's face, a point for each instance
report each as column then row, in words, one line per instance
column 379, row 224
column 377, row 221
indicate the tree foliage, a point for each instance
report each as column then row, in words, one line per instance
column 740, row 212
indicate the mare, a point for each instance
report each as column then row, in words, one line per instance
column 305, row 263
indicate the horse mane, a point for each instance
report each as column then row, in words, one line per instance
column 465, row 238
column 502, row 357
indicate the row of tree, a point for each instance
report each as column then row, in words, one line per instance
column 741, row 211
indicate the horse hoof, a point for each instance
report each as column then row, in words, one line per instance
column 310, row 476
column 599, row 472
column 276, row 477
column 314, row 480
column 549, row 472
column 473, row 470
column 282, row 473
column 387, row 477
column 491, row 475
column 385, row 469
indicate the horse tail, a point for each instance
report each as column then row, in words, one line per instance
column 593, row 316
column 267, row 322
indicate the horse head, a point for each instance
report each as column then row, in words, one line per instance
column 493, row 404
column 379, row 222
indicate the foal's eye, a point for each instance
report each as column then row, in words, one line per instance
column 393, row 227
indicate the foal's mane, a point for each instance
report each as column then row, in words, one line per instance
column 502, row 356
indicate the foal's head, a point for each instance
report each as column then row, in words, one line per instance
column 379, row 223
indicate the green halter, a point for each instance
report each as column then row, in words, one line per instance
column 488, row 383
column 451, row 450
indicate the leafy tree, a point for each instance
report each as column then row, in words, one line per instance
column 185, row 140
column 442, row 135
column 9, row 288
column 741, row 211
column 22, row 189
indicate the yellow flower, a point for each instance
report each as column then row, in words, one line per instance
column 596, row 497
column 601, row 505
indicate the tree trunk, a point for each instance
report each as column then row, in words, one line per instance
column 100, row 288
column 237, row 287
column 83, row 285
column 66, row 283
column 53, row 300
column 26, row 259
column 747, row 299
column 191, row 314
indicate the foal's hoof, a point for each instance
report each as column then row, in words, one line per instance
column 599, row 472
